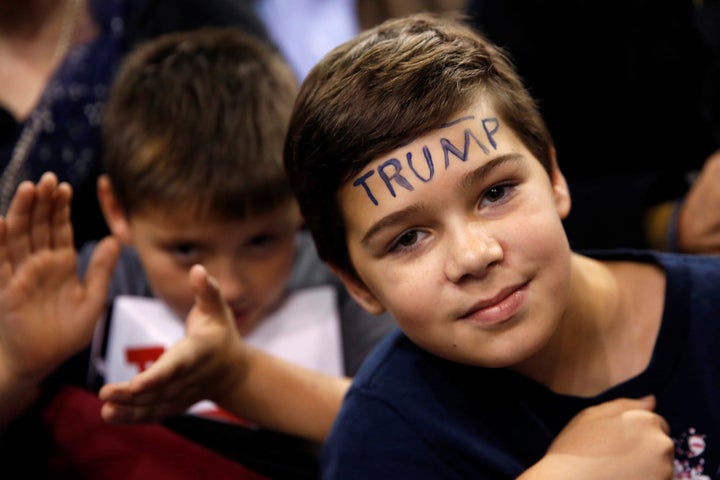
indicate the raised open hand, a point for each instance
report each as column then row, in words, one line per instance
column 47, row 313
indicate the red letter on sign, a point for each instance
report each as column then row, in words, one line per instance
column 143, row 356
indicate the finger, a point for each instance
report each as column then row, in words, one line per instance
column 624, row 404
column 61, row 234
column 664, row 425
column 112, row 413
column 643, row 418
column 5, row 268
column 41, row 212
column 122, row 393
column 18, row 223
column 99, row 272
column 156, row 403
column 208, row 298
column 647, row 402
column 115, row 392
column 164, row 379
column 172, row 379
column 122, row 414
column 205, row 288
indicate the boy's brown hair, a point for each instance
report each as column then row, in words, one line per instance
column 196, row 121
column 390, row 84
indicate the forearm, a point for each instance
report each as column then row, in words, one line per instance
column 283, row 396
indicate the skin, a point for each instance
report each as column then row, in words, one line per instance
column 251, row 259
column 48, row 314
column 619, row 439
column 698, row 223
column 458, row 238
column 467, row 261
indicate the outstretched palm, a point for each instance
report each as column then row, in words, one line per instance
column 46, row 313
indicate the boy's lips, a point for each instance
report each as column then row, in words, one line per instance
column 498, row 308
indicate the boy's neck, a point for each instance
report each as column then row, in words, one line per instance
column 608, row 332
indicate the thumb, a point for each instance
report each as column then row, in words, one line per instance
column 620, row 405
column 100, row 269
column 208, row 299
column 647, row 402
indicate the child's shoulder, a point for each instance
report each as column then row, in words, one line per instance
column 666, row 260
column 683, row 272
column 688, row 266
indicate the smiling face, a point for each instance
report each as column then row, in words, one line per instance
column 459, row 235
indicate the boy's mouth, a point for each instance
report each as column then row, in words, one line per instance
column 240, row 316
column 498, row 308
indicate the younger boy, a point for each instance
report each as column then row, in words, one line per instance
column 194, row 175
column 430, row 185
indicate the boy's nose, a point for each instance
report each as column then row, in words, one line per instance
column 233, row 286
column 471, row 250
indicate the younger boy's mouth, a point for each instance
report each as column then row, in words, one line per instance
column 241, row 317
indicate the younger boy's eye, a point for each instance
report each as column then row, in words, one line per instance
column 262, row 244
column 262, row 240
column 185, row 252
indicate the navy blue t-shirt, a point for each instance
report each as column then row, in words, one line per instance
column 410, row 414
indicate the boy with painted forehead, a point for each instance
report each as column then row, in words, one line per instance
column 430, row 184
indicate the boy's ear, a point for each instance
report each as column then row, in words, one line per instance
column 561, row 192
column 112, row 211
column 359, row 291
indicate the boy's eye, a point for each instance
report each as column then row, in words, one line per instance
column 406, row 241
column 185, row 252
column 183, row 249
column 407, row 238
column 496, row 193
column 263, row 240
column 262, row 245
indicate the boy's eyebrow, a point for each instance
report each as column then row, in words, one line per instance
column 388, row 221
column 470, row 178
column 466, row 181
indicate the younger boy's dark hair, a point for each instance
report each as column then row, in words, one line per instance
column 390, row 84
column 196, row 121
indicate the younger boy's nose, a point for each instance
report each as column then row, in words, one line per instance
column 232, row 285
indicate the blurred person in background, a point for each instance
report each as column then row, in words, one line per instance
column 305, row 30
column 57, row 60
